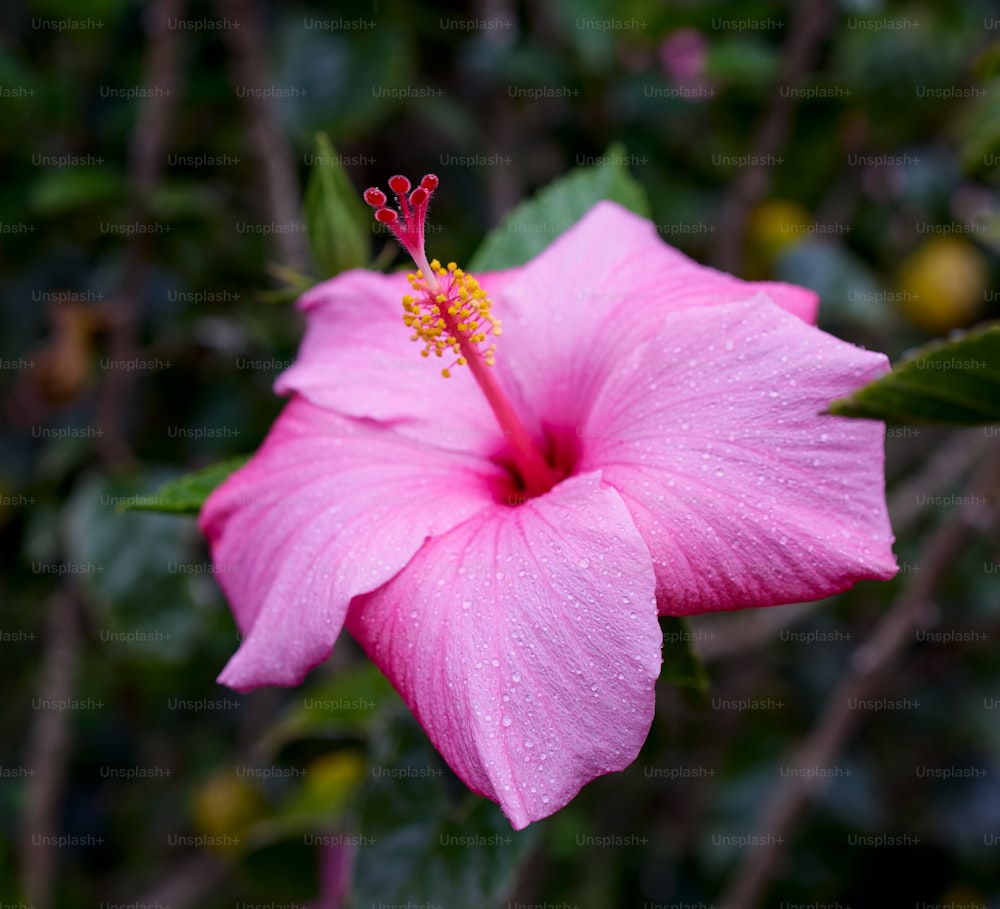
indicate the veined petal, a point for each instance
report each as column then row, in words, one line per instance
column 327, row 509
column 526, row 643
column 587, row 301
column 744, row 492
column 357, row 359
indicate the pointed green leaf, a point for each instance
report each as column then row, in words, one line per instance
column 682, row 667
column 955, row 382
column 537, row 221
column 187, row 493
column 337, row 222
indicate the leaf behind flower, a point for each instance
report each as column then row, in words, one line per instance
column 537, row 221
column 954, row 382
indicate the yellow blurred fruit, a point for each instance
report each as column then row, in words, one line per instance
column 775, row 225
column 961, row 895
column 942, row 284
column 223, row 808
column 332, row 778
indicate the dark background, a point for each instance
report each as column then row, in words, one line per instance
column 151, row 216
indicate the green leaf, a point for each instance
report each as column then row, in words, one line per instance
column 349, row 703
column 66, row 190
column 337, row 222
column 954, row 382
column 140, row 573
column 187, row 493
column 537, row 221
column 320, row 797
column 429, row 840
column 681, row 665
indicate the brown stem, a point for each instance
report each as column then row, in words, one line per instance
column 273, row 155
column 804, row 36
column 47, row 754
column 190, row 883
column 146, row 163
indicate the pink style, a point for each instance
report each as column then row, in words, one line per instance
column 646, row 437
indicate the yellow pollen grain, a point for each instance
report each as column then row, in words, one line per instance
column 453, row 317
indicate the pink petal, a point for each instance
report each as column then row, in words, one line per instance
column 357, row 359
column 327, row 509
column 744, row 492
column 526, row 643
column 594, row 295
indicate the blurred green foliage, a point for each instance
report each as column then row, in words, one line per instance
column 893, row 147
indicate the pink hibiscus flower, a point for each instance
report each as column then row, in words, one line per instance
column 649, row 441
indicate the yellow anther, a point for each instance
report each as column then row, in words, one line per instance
column 452, row 316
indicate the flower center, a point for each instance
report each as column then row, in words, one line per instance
column 450, row 313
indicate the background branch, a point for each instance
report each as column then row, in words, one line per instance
column 47, row 753
column 867, row 673
column 273, row 155
column 147, row 159
column 808, row 27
